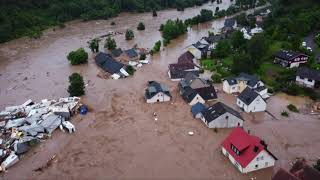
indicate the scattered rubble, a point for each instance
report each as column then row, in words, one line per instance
column 24, row 126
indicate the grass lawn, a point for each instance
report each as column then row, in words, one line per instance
column 208, row 64
column 228, row 61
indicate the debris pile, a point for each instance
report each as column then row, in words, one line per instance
column 24, row 126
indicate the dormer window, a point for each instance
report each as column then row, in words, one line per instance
column 235, row 150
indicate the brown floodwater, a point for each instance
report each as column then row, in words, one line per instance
column 119, row 139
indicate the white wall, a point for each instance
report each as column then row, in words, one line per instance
column 305, row 82
column 195, row 52
column 258, row 105
column 197, row 99
column 161, row 97
column 232, row 160
column 226, row 120
column 229, row 89
column 262, row 160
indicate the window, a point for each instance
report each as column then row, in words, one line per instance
column 256, row 166
column 258, row 158
column 310, row 80
column 227, row 117
column 261, row 157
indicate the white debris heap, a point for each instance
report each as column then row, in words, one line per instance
column 24, row 126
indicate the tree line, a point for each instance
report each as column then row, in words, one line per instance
column 29, row 17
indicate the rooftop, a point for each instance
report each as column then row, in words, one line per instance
column 107, row 63
column 218, row 109
column 287, row 54
column 305, row 72
column 154, row 88
column 248, row 95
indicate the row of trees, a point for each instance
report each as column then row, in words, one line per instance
column 172, row 29
column 30, row 17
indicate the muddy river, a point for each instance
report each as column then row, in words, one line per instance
column 119, row 138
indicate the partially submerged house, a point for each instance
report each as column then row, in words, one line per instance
column 308, row 77
column 250, row 101
column 192, row 81
column 129, row 55
column 237, row 84
column 247, row 152
column 110, row 65
column 199, row 95
column 157, row 92
column 229, row 26
column 116, row 53
column 199, row 50
column 290, row 59
column 299, row 171
column 220, row 115
column 187, row 58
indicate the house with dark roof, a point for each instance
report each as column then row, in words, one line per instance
column 110, row 65
column 237, row 84
column 247, row 152
column 199, row 50
column 178, row 71
column 299, row 171
column 250, row 101
column 129, row 55
column 191, row 96
column 230, row 22
column 157, row 92
column 186, row 58
column 308, row 77
column 220, row 115
column 116, row 52
column 192, row 81
column 290, row 59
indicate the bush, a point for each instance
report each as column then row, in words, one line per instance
column 285, row 114
column 292, row 108
column 129, row 34
column 130, row 70
column 79, row 56
column 110, row 44
column 156, row 47
column 76, row 87
column 172, row 29
column 141, row 26
column 216, row 78
column 154, row 13
column 112, row 23
column 143, row 56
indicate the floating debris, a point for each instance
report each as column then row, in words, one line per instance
column 191, row 133
column 24, row 126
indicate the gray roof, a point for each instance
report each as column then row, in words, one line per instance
column 154, row 88
column 107, row 63
column 251, row 79
column 116, row 52
column 207, row 93
column 230, row 22
column 231, row 81
column 189, row 94
column 213, row 112
column 180, row 74
column 214, row 38
column 197, row 108
column 202, row 47
column 248, row 95
column 305, row 72
column 287, row 54
column 132, row 53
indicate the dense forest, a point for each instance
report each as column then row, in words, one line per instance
column 29, row 17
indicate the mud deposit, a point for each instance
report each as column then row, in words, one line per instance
column 120, row 139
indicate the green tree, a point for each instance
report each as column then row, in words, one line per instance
column 172, row 29
column 79, row 56
column 130, row 70
column 94, row 45
column 110, row 44
column 129, row 34
column 156, row 47
column 76, row 85
column 141, row 26
column 154, row 13
column 241, row 63
column 257, row 48
column 143, row 56
column 237, row 40
column 222, row 50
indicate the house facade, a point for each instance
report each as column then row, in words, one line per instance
column 250, row 101
column 247, row 152
column 308, row 77
column 191, row 96
column 290, row 59
column 220, row 115
column 238, row 84
column 157, row 92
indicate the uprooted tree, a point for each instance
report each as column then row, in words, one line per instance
column 76, row 86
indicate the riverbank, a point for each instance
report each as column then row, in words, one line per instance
column 119, row 139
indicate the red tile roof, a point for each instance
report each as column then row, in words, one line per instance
column 246, row 144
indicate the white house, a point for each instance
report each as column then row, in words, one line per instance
column 239, row 83
column 308, row 77
column 157, row 92
column 247, row 152
column 198, row 95
column 199, row 50
column 290, row 59
column 220, row 115
column 250, row 101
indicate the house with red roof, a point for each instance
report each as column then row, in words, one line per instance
column 247, row 152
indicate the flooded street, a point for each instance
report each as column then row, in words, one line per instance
column 119, row 138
